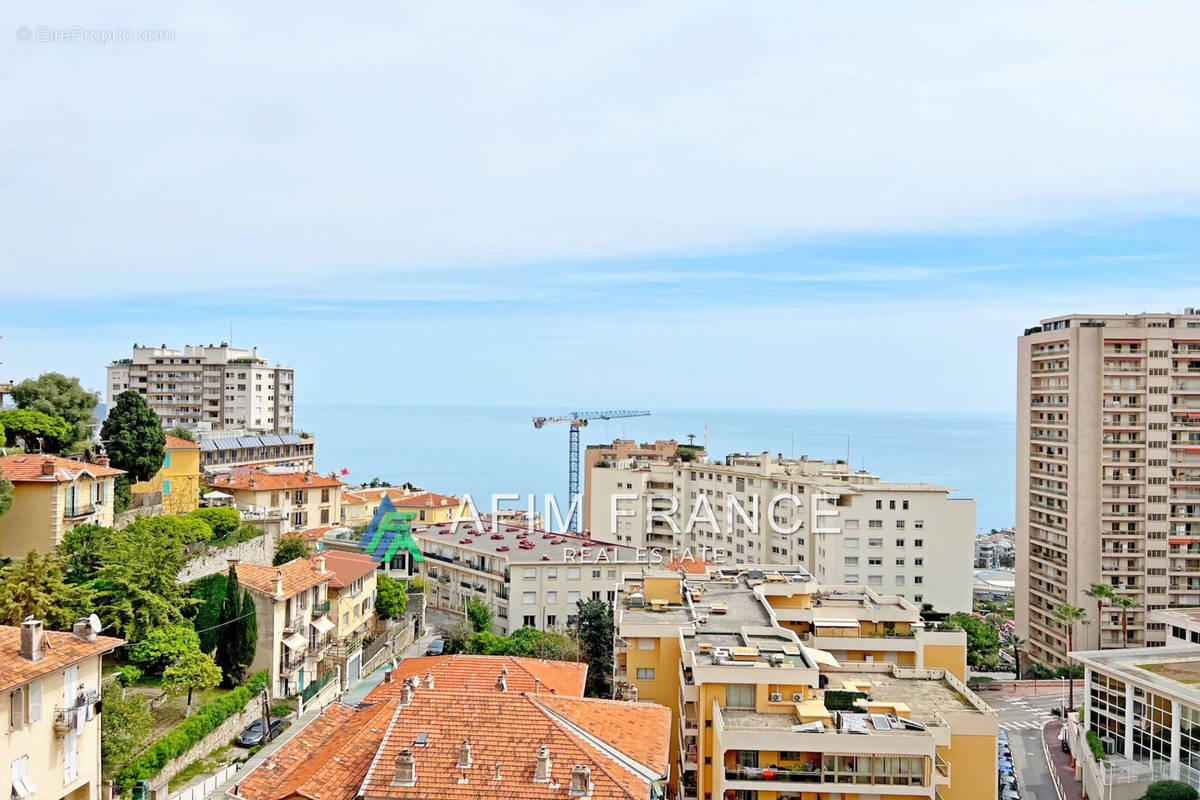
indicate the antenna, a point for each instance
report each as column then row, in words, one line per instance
column 94, row 623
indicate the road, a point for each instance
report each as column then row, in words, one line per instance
column 1022, row 718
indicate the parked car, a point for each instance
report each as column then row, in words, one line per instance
column 1010, row 794
column 252, row 736
column 436, row 647
column 1008, row 781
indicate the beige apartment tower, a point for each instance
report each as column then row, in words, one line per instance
column 1108, row 474
column 208, row 388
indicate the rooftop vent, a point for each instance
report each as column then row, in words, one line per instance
column 31, row 640
column 541, row 773
column 429, row 679
column 502, row 683
column 464, row 755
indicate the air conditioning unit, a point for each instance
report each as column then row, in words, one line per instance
column 776, row 697
column 797, row 697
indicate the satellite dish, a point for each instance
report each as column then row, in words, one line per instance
column 94, row 622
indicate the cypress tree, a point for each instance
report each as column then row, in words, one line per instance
column 229, row 644
column 247, row 632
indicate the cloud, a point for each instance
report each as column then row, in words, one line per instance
column 286, row 146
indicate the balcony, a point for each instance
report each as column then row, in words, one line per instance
column 292, row 660
column 76, row 512
column 942, row 771
column 320, row 608
column 295, row 624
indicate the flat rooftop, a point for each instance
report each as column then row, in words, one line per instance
column 1173, row 670
column 503, row 540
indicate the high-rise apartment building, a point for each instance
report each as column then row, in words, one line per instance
column 624, row 453
column 844, row 526
column 208, row 388
column 1108, row 474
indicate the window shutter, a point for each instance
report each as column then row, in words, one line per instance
column 35, row 702
column 17, row 708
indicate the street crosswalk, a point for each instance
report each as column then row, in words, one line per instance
column 1021, row 725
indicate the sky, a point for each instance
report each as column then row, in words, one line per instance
column 597, row 204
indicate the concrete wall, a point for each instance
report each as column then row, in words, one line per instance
column 222, row 736
column 255, row 551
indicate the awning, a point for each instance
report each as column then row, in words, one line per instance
column 296, row 641
column 322, row 624
column 836, row 622
column 823, row 657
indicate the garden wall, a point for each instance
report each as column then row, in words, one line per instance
column 220, row 737
column 260, row 550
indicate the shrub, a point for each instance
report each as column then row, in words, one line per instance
column 1097, row 746
column 1170, row 790
column 186, row 734
column 128, row 675
column 223, row 521
column 836, row 700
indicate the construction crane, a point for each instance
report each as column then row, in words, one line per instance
column 577, row 420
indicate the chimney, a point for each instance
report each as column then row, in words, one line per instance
column 387, row 676
column 406, row 692
column 31, row 640
column 428, row 679
column 464, row 755
column 308, row 477
column 47, row 466
column 541, row 773
column 632, row 693
column 83, row 629
column 406, row 769
column 102, row 460
column 253, row 484
column 581, row 781
column 321, row 563
column 502, row 683
column 279, row 581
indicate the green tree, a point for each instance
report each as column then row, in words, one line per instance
column 480, row 615
column 1124, row 603
column 222, row 520
column 1017, row 644
column 983, row 642
column 59, row 395
column 289, row 548
column 1170, row 790
column 6, row 489
column 181, row 433
column 416, row 585
column 38, row 587
column 124, row 726
column 136, row 588
column 231, row 655
column 133, row 437
column 247, row 631
column 594, row 630
column 1067, row 615
column 208, row 592
column 82, row 549
column 193, row 671
column 1102, row 593
column 163, row 647
column 391, row 599
column 183, row 530
column 36, row 431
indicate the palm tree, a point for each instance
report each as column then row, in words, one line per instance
column 1068, row 615
column 1017, row 644
column 1126, row 604
column 1102, row 593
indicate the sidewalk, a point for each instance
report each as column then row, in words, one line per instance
column 351, row 697
column 1072, row 789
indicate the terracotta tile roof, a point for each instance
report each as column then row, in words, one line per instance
column 298, row 575
column 269, row 481
column 314, row 534
column 175, row 443
column 479, row 673
column 343, row 753
column 505, row 732
column 28, row 469
column 692, row 566
column 59, row 650
column 640, row 730
column 326, row 760
column 346, row 567
column 400, row 498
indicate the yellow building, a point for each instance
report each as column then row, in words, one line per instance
column 761, row 712
column 305, row 500
column 359, row 505
column 50, row 683
column 351, row 609
column 52, row 495
column 178, row 479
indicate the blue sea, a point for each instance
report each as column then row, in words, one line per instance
column 489, row 449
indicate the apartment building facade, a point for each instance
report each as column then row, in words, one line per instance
column 758, row 712
column 291, row 604
column 50, row 714
column 177, row 481
column 624, row 453
column 52, row 495
column 352, row 592
column 209, row 387
column 227, row 452
column 843, row 525
column 305, row 500
column 1108, row 473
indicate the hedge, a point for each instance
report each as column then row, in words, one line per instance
column 1097, row 746
column 188, row 733
column 836, row 700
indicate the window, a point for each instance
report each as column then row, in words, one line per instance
column 874, row 561
column 851, row 523
column 739, row 695
column 918, row 542
column 879, row 504
column 919, row 524
column 552, row 573
column 875, row 523
column 595, row 573
column 851, row 561
column 572, row 597
column 900, row 524
column 529, row 573
column 850, row 577
column 906, row 505
column 849, row 544
column 22, row 784
column 529, row 621
column 892, row 504
column 918, row 579
column 551, row 597
column 572, row 573
column 16, row 706
column 166, row 459
column 917, row 598
column 875, row 580
column 899, row 543
column 551, row 620
column 529, row 597
column 918, row 562
column 646, row 643
column 899, row 562
column 874, row 542
column 645, row 673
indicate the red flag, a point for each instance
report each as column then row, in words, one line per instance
column 345, row 471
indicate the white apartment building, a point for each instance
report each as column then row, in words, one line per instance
column 843, row 526
column 208, row 387
column 50, row 717
column 1108, row 474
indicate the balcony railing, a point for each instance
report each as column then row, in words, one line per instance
column 320, row 608
column 75, row 512
column 292, row 661
column 294, row 625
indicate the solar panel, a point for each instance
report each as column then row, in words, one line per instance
column 270, row 440
column 290, row 438
column 881, row 722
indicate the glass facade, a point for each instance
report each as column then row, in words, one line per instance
column 1108, row 708
column 1151, row 726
